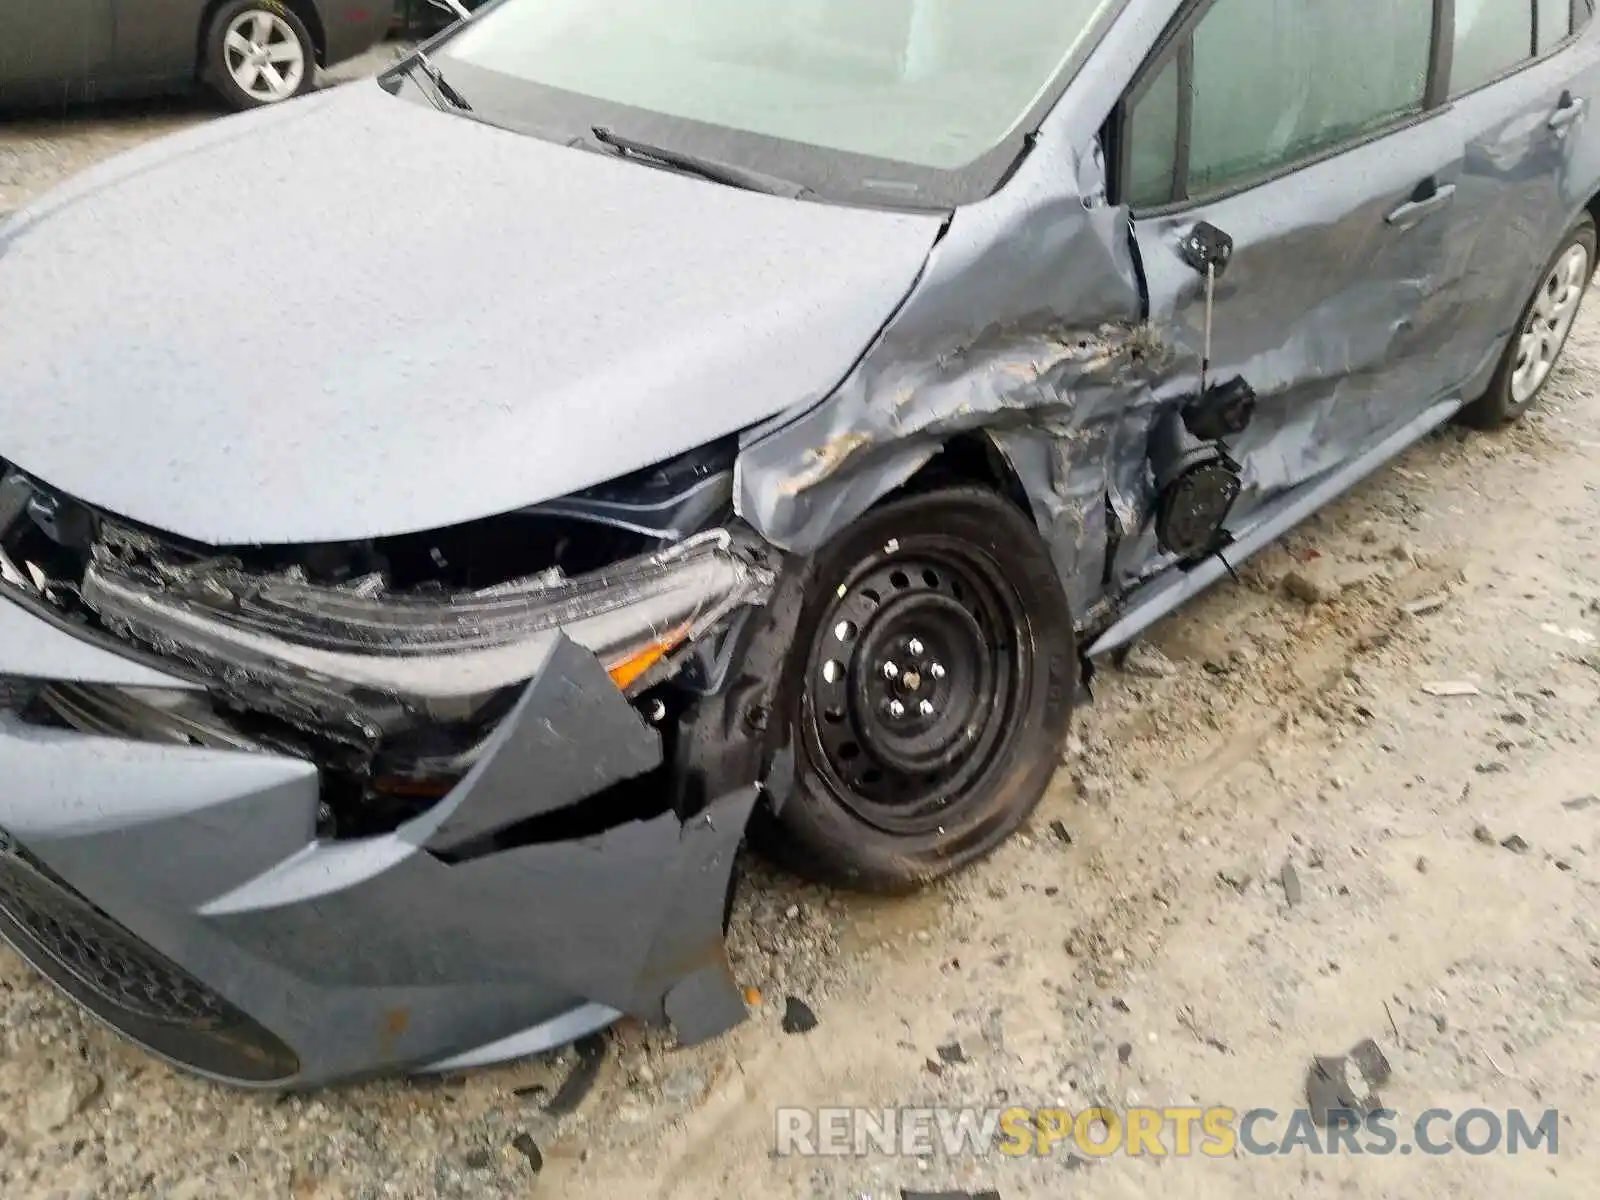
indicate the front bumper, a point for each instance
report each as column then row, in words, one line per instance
column 183, row 896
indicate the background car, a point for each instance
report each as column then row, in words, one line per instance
column 250, row 52
column 423, row 18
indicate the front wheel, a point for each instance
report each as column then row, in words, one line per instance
column 258, row 52
column 1542, row 335
column 928, row 691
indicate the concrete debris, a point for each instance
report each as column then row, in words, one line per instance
column 1453, row 687
column 1146, row 662
column 1314, row 583
column 56, row 1100
column 1425, row 604
column 1580, row 636
column 1291, row 884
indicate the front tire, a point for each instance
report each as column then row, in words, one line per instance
column 258, row 52
column 926, row 696
column 1542, row 332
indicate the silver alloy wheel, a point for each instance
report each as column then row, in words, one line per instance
column 263, row 56
column 1554, row 310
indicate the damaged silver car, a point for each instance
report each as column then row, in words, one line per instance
column 683, row 420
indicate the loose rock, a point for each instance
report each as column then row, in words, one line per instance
column 56, row 1100
column 1426, row 604
column 524, row 1145
column 1291, row 884
column 1315, row 583
column 1147, row 662
column 797, row 1016
column 684, row 1086
column 1451, row 688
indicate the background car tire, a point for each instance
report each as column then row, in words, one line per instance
column 956, row 592
column 1509, row 396
column 278, row 42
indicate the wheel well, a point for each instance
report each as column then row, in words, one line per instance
column 306, row 10
column 970, row 458
column 1593, row 208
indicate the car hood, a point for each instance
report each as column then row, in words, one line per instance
column 353, row 316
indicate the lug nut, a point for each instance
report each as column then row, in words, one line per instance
column 890, row 671
column 914, row 646
column 936, row 670
column 926, row 708
column 896, row 709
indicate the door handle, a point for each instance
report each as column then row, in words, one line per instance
column 1568, row 111
column 1412, row 211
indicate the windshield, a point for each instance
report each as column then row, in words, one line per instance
column 931, row 85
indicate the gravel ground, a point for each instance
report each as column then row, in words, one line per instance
column 1140, row 943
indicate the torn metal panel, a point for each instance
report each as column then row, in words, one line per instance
column 1027, row 324
column 571, row 735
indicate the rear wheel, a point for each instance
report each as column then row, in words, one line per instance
column 1542, row 334
column 258, row 52
column 928, row 691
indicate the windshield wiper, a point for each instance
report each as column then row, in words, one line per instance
column 705, row 168
column 443, row 95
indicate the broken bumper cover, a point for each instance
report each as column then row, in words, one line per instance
column 182, row 894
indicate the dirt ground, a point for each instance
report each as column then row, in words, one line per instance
column 1141, row 943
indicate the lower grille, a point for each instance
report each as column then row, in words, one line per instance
column 99, row 953
column 127, row 983
column 16, row 694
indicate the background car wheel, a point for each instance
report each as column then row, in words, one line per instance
column 927, row 693
column 1541, row 334
column 258, row 52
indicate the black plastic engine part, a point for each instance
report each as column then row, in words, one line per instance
column 1223, row 410
column 1196, row 484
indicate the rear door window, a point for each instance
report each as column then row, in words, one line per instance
column 1494, row 37
column 1554, row 20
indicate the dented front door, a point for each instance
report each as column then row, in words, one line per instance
column 1303, row 137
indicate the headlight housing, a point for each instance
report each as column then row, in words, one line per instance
column 438, row 651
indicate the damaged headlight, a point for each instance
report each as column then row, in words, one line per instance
column 282, row 632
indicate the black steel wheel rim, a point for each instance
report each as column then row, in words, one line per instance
column 914, row 678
